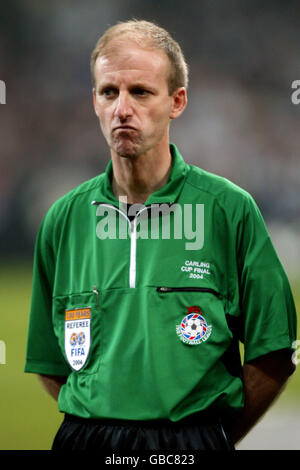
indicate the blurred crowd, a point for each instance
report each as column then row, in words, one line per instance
column 240, row 121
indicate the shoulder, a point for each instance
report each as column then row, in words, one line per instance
column 81, row 195
column 217, row 188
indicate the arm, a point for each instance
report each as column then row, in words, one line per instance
column 52, row 384
column 268, row 319
column 264, row 379
column 43, row 353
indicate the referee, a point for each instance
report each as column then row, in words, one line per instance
column 136, row 316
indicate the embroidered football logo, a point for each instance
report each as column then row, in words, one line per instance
column 193, row 328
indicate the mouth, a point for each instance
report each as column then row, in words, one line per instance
column 124, row 128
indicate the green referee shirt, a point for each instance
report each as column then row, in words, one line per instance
column 144, row 315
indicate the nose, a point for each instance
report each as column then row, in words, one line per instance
column 123, row 106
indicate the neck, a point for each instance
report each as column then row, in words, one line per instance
column 138, row 177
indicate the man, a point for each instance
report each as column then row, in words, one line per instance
column 136, row 334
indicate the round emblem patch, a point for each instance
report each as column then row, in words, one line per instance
column 81, row 338
column 73, row 339
column 193, row 328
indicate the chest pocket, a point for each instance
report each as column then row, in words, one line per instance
column 76, row 321
column 200, row 314
column 204, row 328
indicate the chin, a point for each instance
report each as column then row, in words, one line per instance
column 127, row 151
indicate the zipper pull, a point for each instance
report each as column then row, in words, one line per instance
column 95, row 290
column 164, row 289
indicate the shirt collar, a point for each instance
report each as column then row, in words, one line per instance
column 167, row 194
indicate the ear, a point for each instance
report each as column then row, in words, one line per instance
column 179, row 102
column 95, row 101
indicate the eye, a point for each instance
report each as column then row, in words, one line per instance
column 140, row 91
column 109, row 92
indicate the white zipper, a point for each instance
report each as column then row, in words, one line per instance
column 132, row 225
column 132, row 266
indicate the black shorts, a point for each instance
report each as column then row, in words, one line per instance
column 198, row 432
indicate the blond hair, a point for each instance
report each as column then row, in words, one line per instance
column 150, row 35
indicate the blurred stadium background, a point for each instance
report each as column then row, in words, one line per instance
column 240, row 123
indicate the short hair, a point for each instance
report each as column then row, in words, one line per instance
column 148, row 34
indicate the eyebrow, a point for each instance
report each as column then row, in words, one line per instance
column 138, row 84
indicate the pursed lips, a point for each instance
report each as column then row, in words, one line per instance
column 124, row 128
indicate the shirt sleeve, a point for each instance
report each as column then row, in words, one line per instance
column 43, row 355
column 268, row 311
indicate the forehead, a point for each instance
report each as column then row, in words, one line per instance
column 133, row 60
